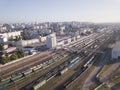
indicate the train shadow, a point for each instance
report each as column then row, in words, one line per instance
column 60, row 87
column 101, row 62
column 105, row 57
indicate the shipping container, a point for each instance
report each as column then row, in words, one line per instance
column 74, row 60
column 28, row 71
column 63, row 71
column 70, row 65
column 38, row 85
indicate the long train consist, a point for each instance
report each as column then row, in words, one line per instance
column 76, row 75
column 70, row 65
column 18, row 75
column 51, row 74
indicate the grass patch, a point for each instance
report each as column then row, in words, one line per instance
column 105, row 68
column 103, row 87
column 93, row 86
column 116, row 79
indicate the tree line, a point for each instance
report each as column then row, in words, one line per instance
column 14, row 56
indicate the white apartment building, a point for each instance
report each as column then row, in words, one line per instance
column 51, row 40
column 10, row 34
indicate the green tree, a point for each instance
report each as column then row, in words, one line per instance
column 4, row 60
column 19, row 55
column 17, row 38
column 1, row 47
column 13, row 57
column 22, row 53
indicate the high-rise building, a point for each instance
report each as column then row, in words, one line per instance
column 51, row 40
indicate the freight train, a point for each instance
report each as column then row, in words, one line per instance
column 51, row 74
column 10, row 80
column 89, row 61
column 70, row 65
column 75, row 76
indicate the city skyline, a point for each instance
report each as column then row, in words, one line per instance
column 63, row 10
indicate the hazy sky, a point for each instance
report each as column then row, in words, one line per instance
column 59, row 10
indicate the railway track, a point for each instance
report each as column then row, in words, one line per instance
column 25, row 65
column 25, row 76
column 79, row 71
column 54, row 71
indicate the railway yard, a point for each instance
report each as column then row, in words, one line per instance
column 62, row 69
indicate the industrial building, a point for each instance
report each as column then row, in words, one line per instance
column 29, row 49
column 67, row 40
column 51, row 41
column 116, row 51
column 8, row 50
